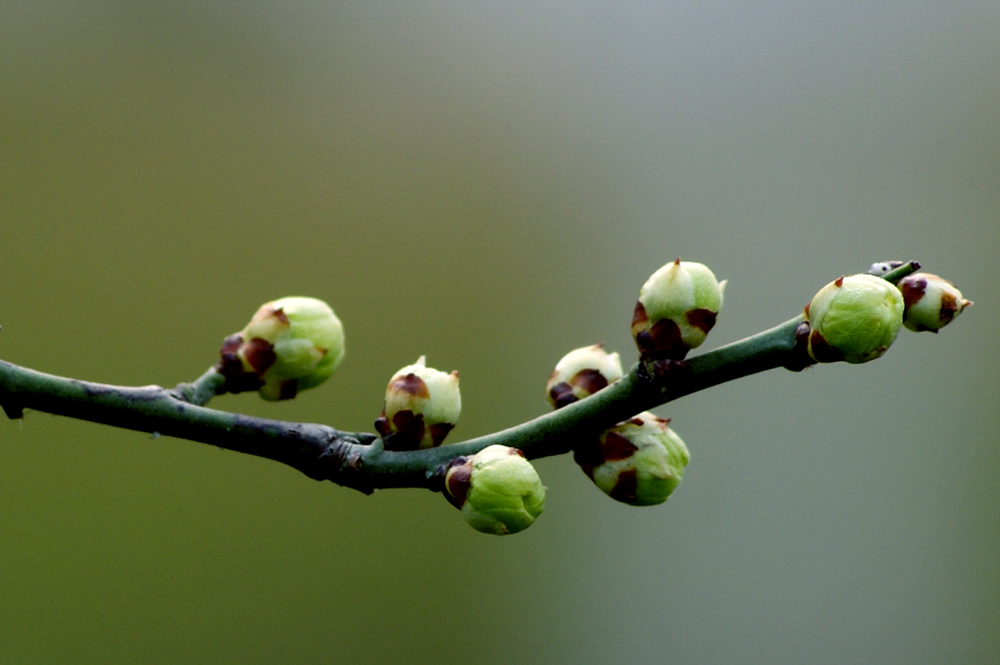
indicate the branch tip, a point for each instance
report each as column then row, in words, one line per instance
column 898, row 273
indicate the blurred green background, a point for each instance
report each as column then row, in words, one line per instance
column 489, row 184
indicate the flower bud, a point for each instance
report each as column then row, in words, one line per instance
column 581, row 373
column 854, row 319
column 421, row 406
column 639, row 462
column 930, row 302
column 677, row 307
column 290, row 344
column 497, row 490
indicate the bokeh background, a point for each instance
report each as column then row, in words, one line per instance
column 489, row 184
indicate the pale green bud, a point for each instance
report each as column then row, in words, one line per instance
column 639, row 462
column 581, row 373
column 290, row 344
column 931, row 302
column 677, row 307
column 422, row 405
column 497, row 490
column 854, row 318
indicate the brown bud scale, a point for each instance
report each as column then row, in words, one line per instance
column 913, row 290
column 639, row 317
column 276, row 312
column 702, row 318
column 590, row 380
column 617, row 447
column 949, row 307
column 411, row 384
column 439, row 431
column 562, row 395
column 260, row 354
column 230, row 365
column 458, row 481
column 404, row 433
column 821, row 350
column 662, row 340
column 627, row 486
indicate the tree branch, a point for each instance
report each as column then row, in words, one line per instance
column 359, row 460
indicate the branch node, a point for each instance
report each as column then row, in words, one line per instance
column 659, row 370
column 341, row 461
column 203, row 389
column 799, row 358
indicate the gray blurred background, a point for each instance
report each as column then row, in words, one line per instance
column 490, row 184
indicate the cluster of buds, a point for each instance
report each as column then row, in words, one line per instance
column 290, row 344
column 856, row 318
column 497, row 490
column 581, row 373
column 422, row 405
column 677, row 307
column 296, row 343
column 930, row 302
column 639, row 462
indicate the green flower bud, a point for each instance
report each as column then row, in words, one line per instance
column 581, row 373
column 930, row 302
column 422, row 405
column 854, row 319
column 639, row 462
column 290, row 344
column 497, row 490
column 677, row 308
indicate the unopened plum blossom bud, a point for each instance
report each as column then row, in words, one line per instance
column 497, row 490
column 854, row 318
column 581, row 373
column 290, row 344
column 639, row 462
column 677, row 307
column 930, row 302
column 422, row 405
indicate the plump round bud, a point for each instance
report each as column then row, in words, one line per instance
column 422, row 405
column 677, row 307
column 854, row 318
column 581, row 373
column 497, row 490
column 290, row 344
column 930, row 302
column 638, row 462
